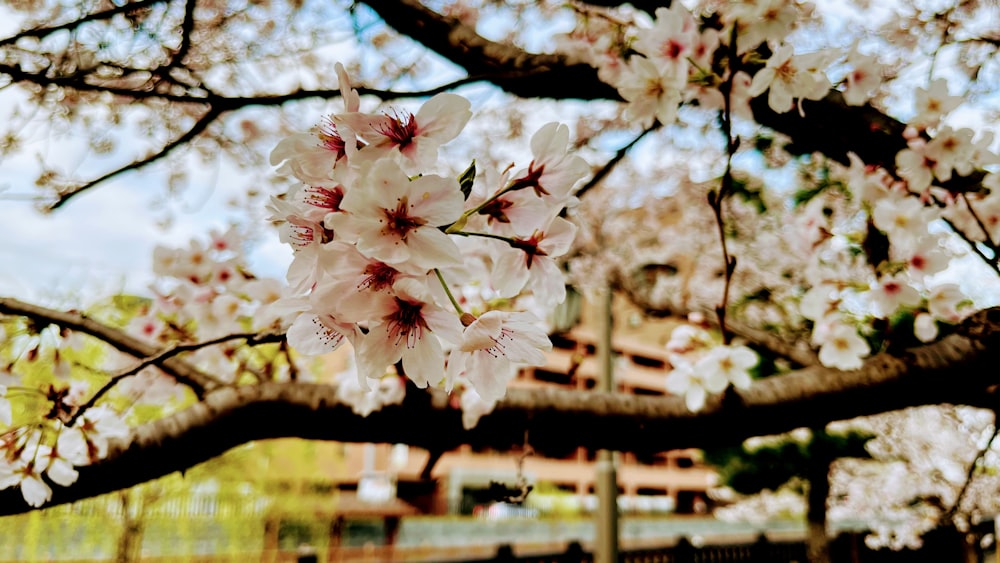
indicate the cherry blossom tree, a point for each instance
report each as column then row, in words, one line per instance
column 812, row 186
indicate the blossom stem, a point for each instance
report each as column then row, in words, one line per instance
column 447, row 291
column 716, row 200
column 508, row 240
column 452, row 230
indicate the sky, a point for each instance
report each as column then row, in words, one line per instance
column 101, row 242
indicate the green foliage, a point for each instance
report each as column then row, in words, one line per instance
column 749, row 193
column 466, row 179
column 814, row 179
column 771, row 465
column 218, row 503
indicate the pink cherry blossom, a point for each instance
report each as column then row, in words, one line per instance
column 651, row 92
column 554, row 171
column 532, row 259
column 409, row 327
column 492, row 347
column 316, row 334
column 671, row 40
column 863, row 79
column 416, row 137
column 311, row 157
column 395, row 220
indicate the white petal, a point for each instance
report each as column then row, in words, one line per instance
column 35, row 491
column 62, row 472
column 695, row 398
column 308, row 335
column 424, row 363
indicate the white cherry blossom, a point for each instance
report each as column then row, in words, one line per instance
column 787, row 77
column 409, row 329
column 532, row 258
column 493, row 346
column 843, row 348
column 892, row 293
column 933, row 103
column 732, row 363
column 417, row 137
column 395, row 219
column 685, row 379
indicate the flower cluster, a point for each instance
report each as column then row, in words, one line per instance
column 30, row 458
column 701, row 365
column 417, row 269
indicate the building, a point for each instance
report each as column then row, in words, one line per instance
column 460, row 481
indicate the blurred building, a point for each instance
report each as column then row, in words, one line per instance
column 459, row 482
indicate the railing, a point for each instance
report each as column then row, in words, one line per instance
column 760, row 551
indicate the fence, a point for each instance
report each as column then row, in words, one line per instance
column 760, row 551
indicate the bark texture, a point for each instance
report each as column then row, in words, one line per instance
column 555, row 421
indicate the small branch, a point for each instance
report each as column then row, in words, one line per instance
column 716, row 199
column 993, row 261
column 252, row 339
column 177, row 368
column 187, row 27
column 42, row 32
column 199, row 126
column 948, row 517
column 618, row 157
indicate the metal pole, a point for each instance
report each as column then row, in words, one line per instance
column 606, row 480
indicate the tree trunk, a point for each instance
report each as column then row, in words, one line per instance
column 129, row 548
column 818, row 474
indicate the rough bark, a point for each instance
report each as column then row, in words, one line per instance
column 556, row 421
column 829, row 125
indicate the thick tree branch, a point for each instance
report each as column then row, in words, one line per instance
column 516, row 71
column 556, row 421
column 828, row 125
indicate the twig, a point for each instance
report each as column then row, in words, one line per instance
column 611, row 164
column 177, row 368
column 948, row 516
column 211, row 115
column 169, row 352
column 716, row 199
column 41, row 32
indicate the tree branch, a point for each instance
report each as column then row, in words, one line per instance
column 556, row 420
column 251, row 339
column 177, row 368
column 42, row 32
column 196, row 129
column 516, row 71
column 829, row 125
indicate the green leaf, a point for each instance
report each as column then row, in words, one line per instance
column 466, row 178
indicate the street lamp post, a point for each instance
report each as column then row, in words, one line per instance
column 606, row 480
